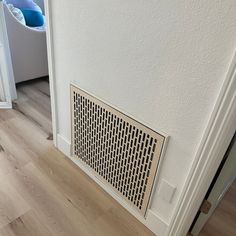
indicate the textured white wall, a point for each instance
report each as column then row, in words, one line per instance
column 161, row 61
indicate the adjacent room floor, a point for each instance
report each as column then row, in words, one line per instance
column 43, row 193
column 223, row 220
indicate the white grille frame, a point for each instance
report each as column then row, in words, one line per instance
column 158, row 148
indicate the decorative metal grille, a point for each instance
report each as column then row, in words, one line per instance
column 122, row 152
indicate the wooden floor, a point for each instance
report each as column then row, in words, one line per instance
column 223, row 220
column 42, row 193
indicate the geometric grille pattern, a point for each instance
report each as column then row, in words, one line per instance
column 122, row 152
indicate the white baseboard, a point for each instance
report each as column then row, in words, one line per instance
column 5, row 105
column 63, row 145
column 152, row 221
column 156, row 224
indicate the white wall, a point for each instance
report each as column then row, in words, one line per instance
column 161, row 61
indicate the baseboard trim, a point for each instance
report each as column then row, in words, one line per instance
column 152, row 221
column 63, row 145
column 5, row 105
column 155, row 223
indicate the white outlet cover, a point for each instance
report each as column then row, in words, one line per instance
column 166, row 191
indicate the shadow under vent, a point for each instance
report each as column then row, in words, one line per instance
column 122, row 152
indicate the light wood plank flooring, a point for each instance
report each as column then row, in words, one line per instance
column 42, row 193
column 223, row 220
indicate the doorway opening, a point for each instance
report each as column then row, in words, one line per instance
column 217, row 214
column 25, row 28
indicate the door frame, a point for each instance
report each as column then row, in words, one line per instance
column 214, row 143
column 51, row 68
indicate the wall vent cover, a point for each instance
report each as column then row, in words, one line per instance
column 120, row 151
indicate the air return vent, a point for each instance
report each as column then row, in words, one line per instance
column 122, row 152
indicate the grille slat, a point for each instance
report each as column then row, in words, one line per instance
column 121, row 151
